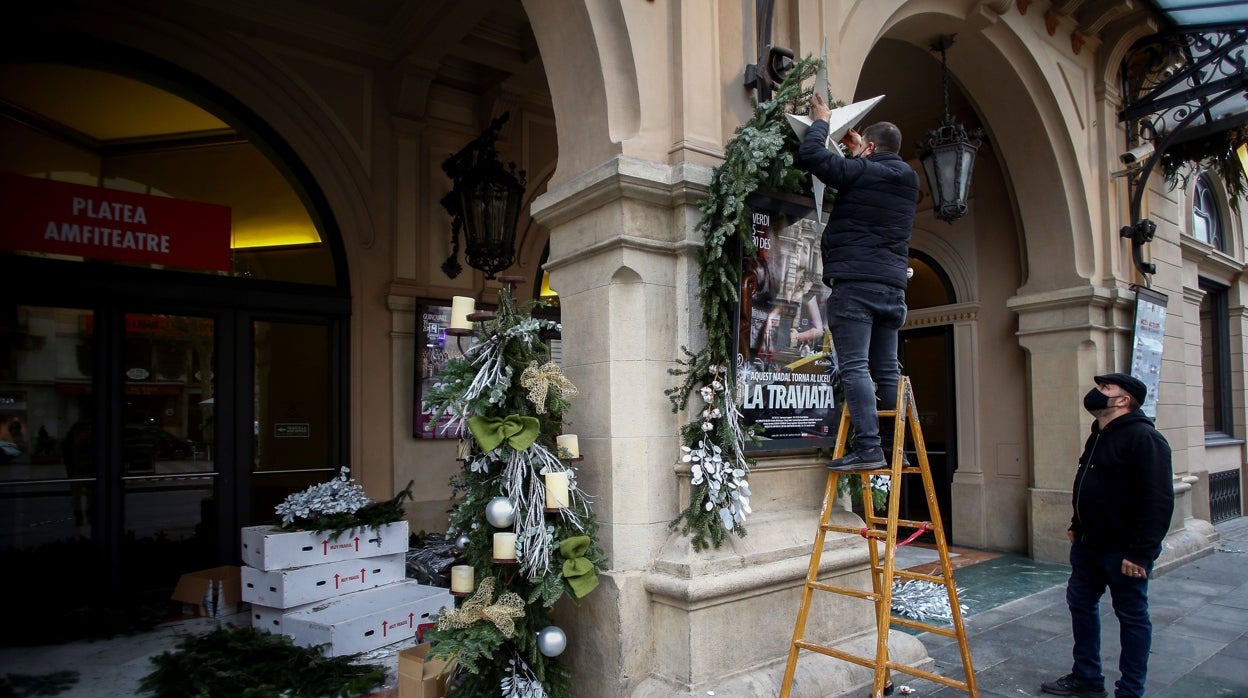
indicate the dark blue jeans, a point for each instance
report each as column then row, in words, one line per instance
column 1091, row 571
column 864, row 317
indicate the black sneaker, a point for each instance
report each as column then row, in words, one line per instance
column 865, row 459
column 1071, row 685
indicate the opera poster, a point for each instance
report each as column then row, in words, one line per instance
column 785, row 361
column 433, row 351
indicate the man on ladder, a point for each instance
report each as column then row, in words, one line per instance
column 866, row 253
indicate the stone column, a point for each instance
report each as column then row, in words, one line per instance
column 668, row 620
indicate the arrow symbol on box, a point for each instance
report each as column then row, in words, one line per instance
column 384, row 626
column 335, row 581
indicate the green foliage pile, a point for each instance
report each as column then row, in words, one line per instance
column 244, row 662
column 30, row 685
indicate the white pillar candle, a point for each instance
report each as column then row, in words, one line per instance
column 568, row 442
column 504, row 546
column 461, row 308
column 462, row 579
column 557, row 490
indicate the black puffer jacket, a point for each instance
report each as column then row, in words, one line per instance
column 868, row 233
column 1124, row 494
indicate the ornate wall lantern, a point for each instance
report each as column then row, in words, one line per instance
column 484, row 202
column 949, row 155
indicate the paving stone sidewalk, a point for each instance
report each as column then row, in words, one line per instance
column 1200, row 634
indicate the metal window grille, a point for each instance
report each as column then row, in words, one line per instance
column 1224, row 496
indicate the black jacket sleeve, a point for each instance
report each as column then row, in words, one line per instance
column 1156, row 493
column 832, row 169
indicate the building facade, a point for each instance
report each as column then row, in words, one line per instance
column 158, row 403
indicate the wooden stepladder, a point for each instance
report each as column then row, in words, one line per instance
column 883, row 570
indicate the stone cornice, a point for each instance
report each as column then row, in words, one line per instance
column 1078, row 296
column 942, row 315
column 1214, row 263
column 622, row 177
column 626, row 242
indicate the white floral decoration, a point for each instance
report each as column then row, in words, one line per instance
column 521, row 682
column 728, row 490
column 338, row 496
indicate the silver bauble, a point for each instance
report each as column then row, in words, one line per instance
column 500, row 512
column 461, row 542
column 551, row 641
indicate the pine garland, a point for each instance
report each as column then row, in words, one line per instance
column 250, row 663
column 759, row 156
column 486, row 383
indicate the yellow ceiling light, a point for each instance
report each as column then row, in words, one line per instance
column 250, row 237
column 1242, row 152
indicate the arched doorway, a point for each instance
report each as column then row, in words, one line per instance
column 926, row 356
column 170, row 400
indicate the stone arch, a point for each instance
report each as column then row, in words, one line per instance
column 1025, row 121
column 593, row 87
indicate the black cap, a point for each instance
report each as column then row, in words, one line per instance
column 1134, row 386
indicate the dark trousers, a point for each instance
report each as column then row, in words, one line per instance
column 1091, row 571
column 864, row 318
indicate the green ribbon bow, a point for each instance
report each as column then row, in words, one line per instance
column 490, row 432
column 579, row 572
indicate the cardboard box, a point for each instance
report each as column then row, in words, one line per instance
column 368, row 619
column 272, row 619
column 419, row 676
column 303, row 585
column 193, row 587
column 270, row 548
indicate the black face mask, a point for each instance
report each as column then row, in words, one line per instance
column 1095, row 401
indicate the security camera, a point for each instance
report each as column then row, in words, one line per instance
column 1137, row 153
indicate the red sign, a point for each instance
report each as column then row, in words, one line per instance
column 40, row 215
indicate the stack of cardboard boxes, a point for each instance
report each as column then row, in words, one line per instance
column 344, row 593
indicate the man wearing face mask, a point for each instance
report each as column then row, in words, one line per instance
column 1123, row 498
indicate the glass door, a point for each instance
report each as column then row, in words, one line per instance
column 49, row 493
column 293, row 438
column 926, row 356
column 165, row 445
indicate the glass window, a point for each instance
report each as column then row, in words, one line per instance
column 1215, row 359
column 1206, row 219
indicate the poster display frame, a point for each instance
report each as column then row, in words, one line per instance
column 1148, row 337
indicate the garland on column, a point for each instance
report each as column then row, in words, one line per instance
column 506, row 400
column 759, row 156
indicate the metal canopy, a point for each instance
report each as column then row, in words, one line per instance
column 1185, row 90
column 1202, row 13
column 1186, row 84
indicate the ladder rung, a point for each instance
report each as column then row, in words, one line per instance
column 834, row 652
column 870, row 662
column 915, row 671
column 920, row 625
column 848, row 591
column 933, row 578
column 875, row 532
